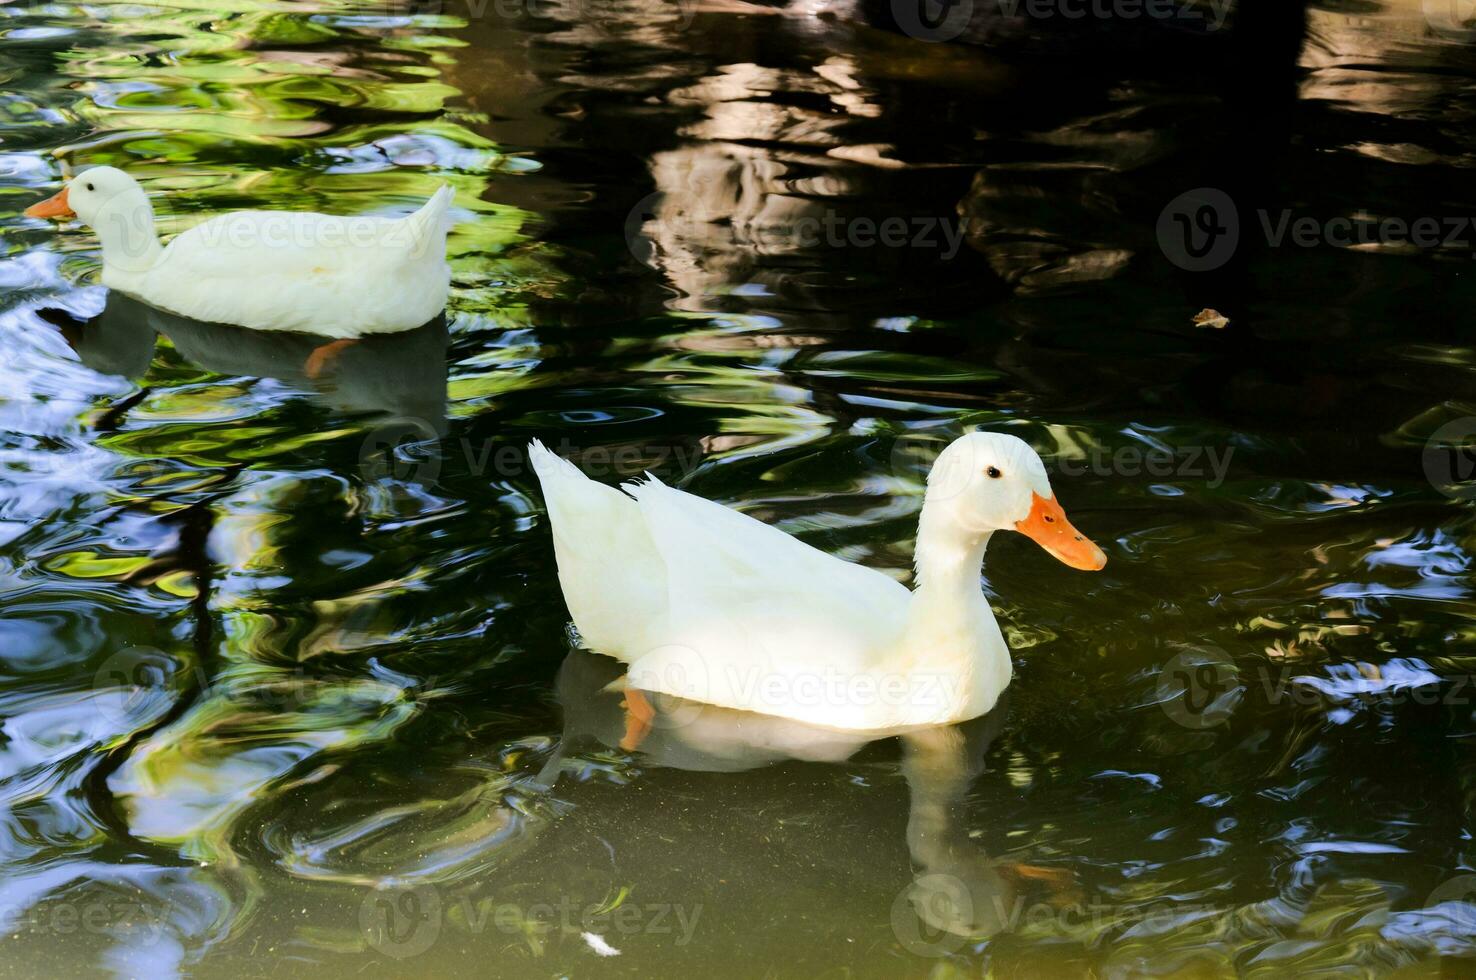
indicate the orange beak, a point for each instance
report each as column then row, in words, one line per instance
column 55, row 206
column 1048, row 527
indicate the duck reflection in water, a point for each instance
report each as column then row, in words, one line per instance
column 958, row 891
column 398, row 375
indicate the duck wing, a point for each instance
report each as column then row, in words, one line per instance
column 336, row 275
column 759, row 620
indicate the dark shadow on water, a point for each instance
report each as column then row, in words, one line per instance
column 397, row 375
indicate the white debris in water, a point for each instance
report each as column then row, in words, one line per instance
column 598, row 944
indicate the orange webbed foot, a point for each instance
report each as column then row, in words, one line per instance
column 323, row 356
column 1060, row 882
column 638, row 718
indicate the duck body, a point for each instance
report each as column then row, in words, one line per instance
column 279, row 270
column 705, row 603
column 333, row 276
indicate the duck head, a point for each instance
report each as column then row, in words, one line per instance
column 114, row 205
column 988, row 481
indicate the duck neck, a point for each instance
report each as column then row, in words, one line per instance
column 948, row 558
column 125, row 227
column 951, row 634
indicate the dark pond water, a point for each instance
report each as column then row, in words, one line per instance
column 286, row 682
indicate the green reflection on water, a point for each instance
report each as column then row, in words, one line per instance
column 249, row 676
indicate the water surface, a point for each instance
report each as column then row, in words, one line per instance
column 285, row 676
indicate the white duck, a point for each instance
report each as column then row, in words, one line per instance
column 709, row 604
column 335, row 276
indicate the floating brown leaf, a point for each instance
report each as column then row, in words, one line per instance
column 1211, row 318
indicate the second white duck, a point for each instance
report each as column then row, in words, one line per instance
column 706, row 603
column 334, row 276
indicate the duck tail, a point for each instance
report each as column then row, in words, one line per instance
column 430, row 224
column 552, row 468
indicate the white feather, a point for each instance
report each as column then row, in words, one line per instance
column 706, row 603
column 334, row 276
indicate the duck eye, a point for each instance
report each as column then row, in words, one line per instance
column 90, row 187
column 1049, row 519
column 994, row 473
